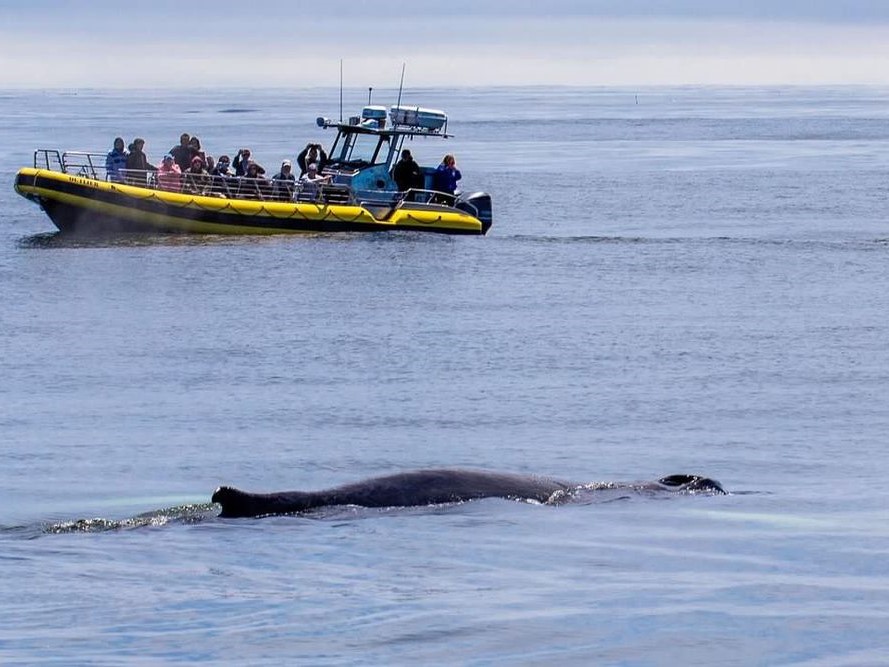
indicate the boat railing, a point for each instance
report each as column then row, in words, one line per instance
column 81, row 163
column 48, row 158
column 430, row 197
column 237, row 187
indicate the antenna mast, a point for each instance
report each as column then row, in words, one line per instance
column 401, row 85
column 341, row 90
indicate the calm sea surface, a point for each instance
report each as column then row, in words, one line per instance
column 677, row 280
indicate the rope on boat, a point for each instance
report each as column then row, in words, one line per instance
column 331, row 214
column 424, row 222
column 326, row 209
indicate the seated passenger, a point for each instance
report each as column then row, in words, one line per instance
column 310, row 181
column 196, row 180
column 169, row 175
column 224, row 181
column 283, row 182
column 222, row 167
column 311, row 153
column 194, row 149
column 254, row 184
column 115, row 161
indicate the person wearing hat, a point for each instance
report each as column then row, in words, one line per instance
column 169, row 176
column 253, row 184
column 283, row 182
column 223, row 178
column 196, row 179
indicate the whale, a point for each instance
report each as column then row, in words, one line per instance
column 435, row 487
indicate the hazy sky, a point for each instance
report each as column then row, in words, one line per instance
column 62, row 43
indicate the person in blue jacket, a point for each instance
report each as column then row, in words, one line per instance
column 116, row 160
column 446, row 175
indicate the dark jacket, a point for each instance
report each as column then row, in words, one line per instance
column 283, row 186
column 181, row 156
column 239, row 164
column 407, row 174
column 138, row 160
column 321, row 160
column 137, row 166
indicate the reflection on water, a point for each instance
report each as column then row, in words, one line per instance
column 66, row 240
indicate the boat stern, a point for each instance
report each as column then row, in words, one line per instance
column 478, row 204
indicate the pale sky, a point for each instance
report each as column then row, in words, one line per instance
column 173, row 43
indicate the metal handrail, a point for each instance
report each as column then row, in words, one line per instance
column 92, row 165
column 431, row 197
column 81, row 164
column 46, row 153
column 238, row 187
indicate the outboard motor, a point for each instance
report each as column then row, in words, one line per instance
column 479, row 205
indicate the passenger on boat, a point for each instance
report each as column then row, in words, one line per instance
column 222, row 167
column 194, row 149
column 196, row 179
column 169, row 176
column 283, row 182
column 242, row 159
column 446, row 175
column 311, row 153
column 310, row 181
column 407, row 172
column 182, row 153
column 254, row 185
column 138, row 165
column 224, row 181
column 116, row 160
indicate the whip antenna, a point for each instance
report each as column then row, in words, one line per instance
column 401, row 85
column 341, row 90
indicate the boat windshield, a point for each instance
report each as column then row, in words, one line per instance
column 365, row 147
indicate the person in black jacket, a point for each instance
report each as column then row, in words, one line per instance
column 407, row 172
column 311, row 154
column 182, row 153
column 242, row 159
column 138, row 165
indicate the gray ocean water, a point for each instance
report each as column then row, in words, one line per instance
column 677, row 280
